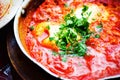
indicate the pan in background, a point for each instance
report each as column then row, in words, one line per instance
column 8, row 9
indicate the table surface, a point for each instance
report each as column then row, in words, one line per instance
column 4, row 59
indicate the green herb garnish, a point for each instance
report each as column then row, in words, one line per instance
column 64, row 59
column 66, row 5
column 99, row 27
column 85, row 8
column 71, row 39
column 54, row 53
column 31, row 28
column 48, row 27
column 51, row 38
column 97, row 36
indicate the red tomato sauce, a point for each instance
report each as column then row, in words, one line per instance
column 103, row 54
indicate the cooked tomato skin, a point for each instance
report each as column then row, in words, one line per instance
column 107, row 46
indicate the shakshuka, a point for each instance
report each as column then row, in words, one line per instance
column 74, row 39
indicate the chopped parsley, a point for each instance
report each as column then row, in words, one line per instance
column 99, row 27
column 51, row 38
column 71, row 39
column 31, row 28
column 54, row 53
column 97, row 36
column 48, row 27
column 64, row 59
column 66, row 5
column 85, row 8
